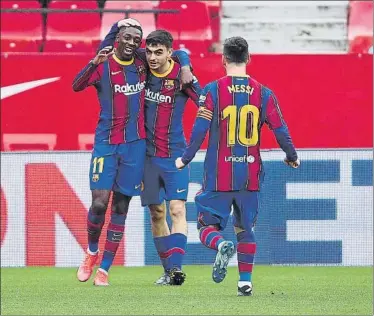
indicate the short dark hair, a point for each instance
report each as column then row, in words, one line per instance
column 235, row 50
column 161, row 37
column 134, row 26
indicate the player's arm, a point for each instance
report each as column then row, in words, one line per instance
column 111, row 36
column 193, row 90
column 201, row 126
column 275, row 121
column 90, row 74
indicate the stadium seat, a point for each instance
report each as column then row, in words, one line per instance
column 360, row 26
column 21, row 32
column 214, row 7
column 147, row 20
column 190, row 25
column 80, row 34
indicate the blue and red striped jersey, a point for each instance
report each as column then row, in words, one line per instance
column 165, row 103
column 234, row 109
column 120, row 86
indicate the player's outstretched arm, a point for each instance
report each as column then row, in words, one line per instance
column 201, row 126
column 90, row 75
column 276, row 122
column 111, row 36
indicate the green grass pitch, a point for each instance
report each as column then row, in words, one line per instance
column 277, row 291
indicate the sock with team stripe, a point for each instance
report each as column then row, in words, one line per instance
column 162, row 247
column 177, row 248
column 210, row 237
column 115, row 232
column 94, row 226
column 246, row 250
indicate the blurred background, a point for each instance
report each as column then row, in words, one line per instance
column 314, row 55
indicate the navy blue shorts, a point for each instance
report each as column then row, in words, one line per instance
column 118, row 167
column 163, row 181
column 214, row 208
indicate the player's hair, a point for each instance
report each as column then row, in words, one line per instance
column 235, row 50
column 161, row 37
column 122, row 28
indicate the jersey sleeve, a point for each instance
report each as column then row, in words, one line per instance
column 194, row 91
column 275, row 121
column 88, row 76
column 110, row 37
column 201, row 126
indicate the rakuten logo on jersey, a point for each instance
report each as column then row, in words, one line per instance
column 157, row 97
column 129, row 89
column 244, row 159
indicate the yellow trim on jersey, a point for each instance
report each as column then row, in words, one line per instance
column 123, row 62
column 167, row 72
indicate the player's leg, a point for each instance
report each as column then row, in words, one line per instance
column 213, row 210
column 153, row 197
column 176, row 191
column 101, row 182
column 130, row 159
column 245, row 215
column 115, row 230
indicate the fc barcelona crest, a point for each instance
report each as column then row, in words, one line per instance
column 169, row 84
column 95, row 177
column 141, row 69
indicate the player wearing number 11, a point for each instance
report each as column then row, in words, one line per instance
column 233, row 109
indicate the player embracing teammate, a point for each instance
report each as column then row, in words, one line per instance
column 118, row 157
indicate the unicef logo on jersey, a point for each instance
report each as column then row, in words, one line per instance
column 129, row 89
column 242, row 159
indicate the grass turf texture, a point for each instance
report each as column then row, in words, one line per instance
column 277, row 291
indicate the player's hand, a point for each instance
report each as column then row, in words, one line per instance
column 103, row 55
column 128, row 22
column 293, row 164
column 179, row 163
column 186, row 76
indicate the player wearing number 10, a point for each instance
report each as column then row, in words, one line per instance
column 233, row 109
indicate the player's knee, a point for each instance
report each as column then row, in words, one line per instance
column 158, row 212
column 177, row 210
column 244, row 235
column 120, row 203
column 99, row 206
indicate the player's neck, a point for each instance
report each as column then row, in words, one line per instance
column 232, row 70
column 123, row 58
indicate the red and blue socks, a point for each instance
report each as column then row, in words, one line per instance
column 115, row 232
column 246, row 250
column 171, row 250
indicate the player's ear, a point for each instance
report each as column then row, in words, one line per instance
column 248, row 59
column 224, row 62
column 117, row 38
column 170, row 52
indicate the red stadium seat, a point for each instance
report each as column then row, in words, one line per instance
column 360, row 26
column 192, row 23
column 21, row 32
column 79, row 34
column 147, row 20
column 214, row 7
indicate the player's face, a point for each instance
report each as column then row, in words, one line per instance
column 157, row 56
column 129, row 39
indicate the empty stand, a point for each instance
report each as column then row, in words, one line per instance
column 190, row 28
column 147, row 20
column 21, row 32
column 360, row 26
column 72, row 32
